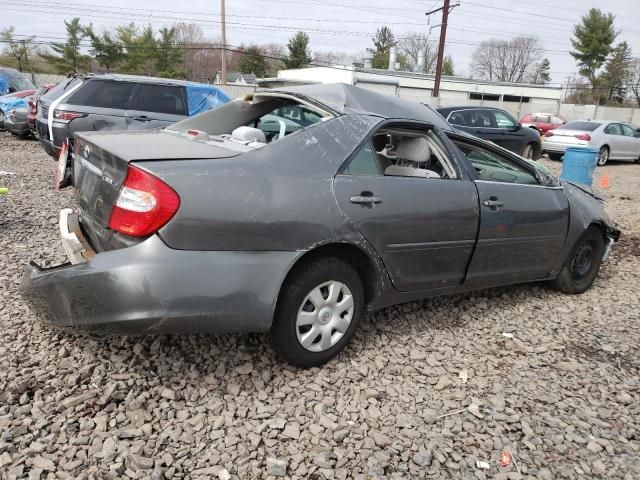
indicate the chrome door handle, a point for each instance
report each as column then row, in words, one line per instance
column 365, row 199
column 493, row 203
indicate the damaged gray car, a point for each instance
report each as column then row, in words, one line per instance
column 298, row 210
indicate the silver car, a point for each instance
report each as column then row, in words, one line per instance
column 613, row 140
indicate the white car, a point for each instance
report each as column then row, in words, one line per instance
column 613, row 140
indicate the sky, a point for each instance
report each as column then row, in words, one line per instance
column 341, row 25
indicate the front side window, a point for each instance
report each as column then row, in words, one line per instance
column 364, row 162
column 103, row 94
column 542, row 118
column 166, row 99
column 557, row 121
column 491, row 167
column 503, row 120
column 628, row 131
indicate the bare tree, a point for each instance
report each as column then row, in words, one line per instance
column 333, row 57
column 19, row 49
column 507, row 60
column 274, row 53
column 634, row 79
column 412, row 44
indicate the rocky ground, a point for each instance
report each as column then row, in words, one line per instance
column 431, row 389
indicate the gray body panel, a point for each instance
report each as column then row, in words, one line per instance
column 17, row 123
column 246, row 219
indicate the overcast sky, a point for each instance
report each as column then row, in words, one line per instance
column 346, row 25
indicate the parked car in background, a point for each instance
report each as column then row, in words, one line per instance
column 11, row 81
column 542, row 122
column 496, row 126
column 13, row 100
column 15, row 121
column 32, row 104
column 118, row 102
column 214, row 224
column 613, row 140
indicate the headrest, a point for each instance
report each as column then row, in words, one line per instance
column 248, row 134
column 414, row 149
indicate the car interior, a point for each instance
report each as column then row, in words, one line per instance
column 403, row 153
column 491, row 167
column 252, row 123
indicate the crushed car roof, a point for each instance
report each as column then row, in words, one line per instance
column 350, row 99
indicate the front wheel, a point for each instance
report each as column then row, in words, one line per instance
column 603, row 156
column 318, row 311
column 582, row 266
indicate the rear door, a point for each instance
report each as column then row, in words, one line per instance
column 156, row 105
column 424, row 229
column 523, row 224
column 102, row 101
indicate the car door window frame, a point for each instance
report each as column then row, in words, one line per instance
column 354, row 155
column 618, row 126
column 627, row 128
column 511, row 158
column 514, row 122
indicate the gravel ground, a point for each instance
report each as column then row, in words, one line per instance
column 549, row 378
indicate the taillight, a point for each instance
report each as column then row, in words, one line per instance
column 583, row 136
column 66, row 117
column 548, row 134
column 145, row 203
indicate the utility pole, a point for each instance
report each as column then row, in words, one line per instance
column 446, row 8
column 223, row 57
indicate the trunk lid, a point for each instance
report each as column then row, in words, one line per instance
column 100, row 167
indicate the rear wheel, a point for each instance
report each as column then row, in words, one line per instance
column 603, row 156
column 318, row 311
column 529, row 151
column 582, row 266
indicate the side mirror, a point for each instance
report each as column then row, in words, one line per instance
column 517, row 127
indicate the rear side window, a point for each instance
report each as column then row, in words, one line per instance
column 102, row 94
column 585, row 126
column 159, row 99
column 61, row 88
column 457, row 118
column 365, row 162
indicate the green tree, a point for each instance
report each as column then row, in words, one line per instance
column 542, row 73
column 617, row 73
column 448, row 68
column 168, row 54
column 106, row 49
column 252, row 61
column 139, row 49
column 20, row 50
column 594, row 37
column 299, row 53
column 382, row 43
column 67, row 57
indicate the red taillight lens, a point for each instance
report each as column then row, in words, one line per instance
column 62, row 116
column 145, row 203
column 548, row 134
column 583, row 136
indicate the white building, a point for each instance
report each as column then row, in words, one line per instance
column 517, row 98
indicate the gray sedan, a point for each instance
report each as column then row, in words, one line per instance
column 216, row 225
column 613, row 140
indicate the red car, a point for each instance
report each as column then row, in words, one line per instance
column 33, row 107
column 543, row 122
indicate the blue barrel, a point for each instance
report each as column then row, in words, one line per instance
column 579, row 164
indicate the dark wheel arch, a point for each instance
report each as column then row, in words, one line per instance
column 354, row 255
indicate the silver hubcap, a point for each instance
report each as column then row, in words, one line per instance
column 324, row 316
column 603, row 157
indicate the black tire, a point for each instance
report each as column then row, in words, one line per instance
column 583, row 263
column 603, row 156
column 298, row 285
column 529, row 151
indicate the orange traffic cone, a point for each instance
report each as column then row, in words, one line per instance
column 604, row 181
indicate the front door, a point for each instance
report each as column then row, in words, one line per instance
column 424, row 229
column 523, row 224
column 632, row 141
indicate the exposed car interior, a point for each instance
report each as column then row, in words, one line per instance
column 251, row 122
column 412, row 154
